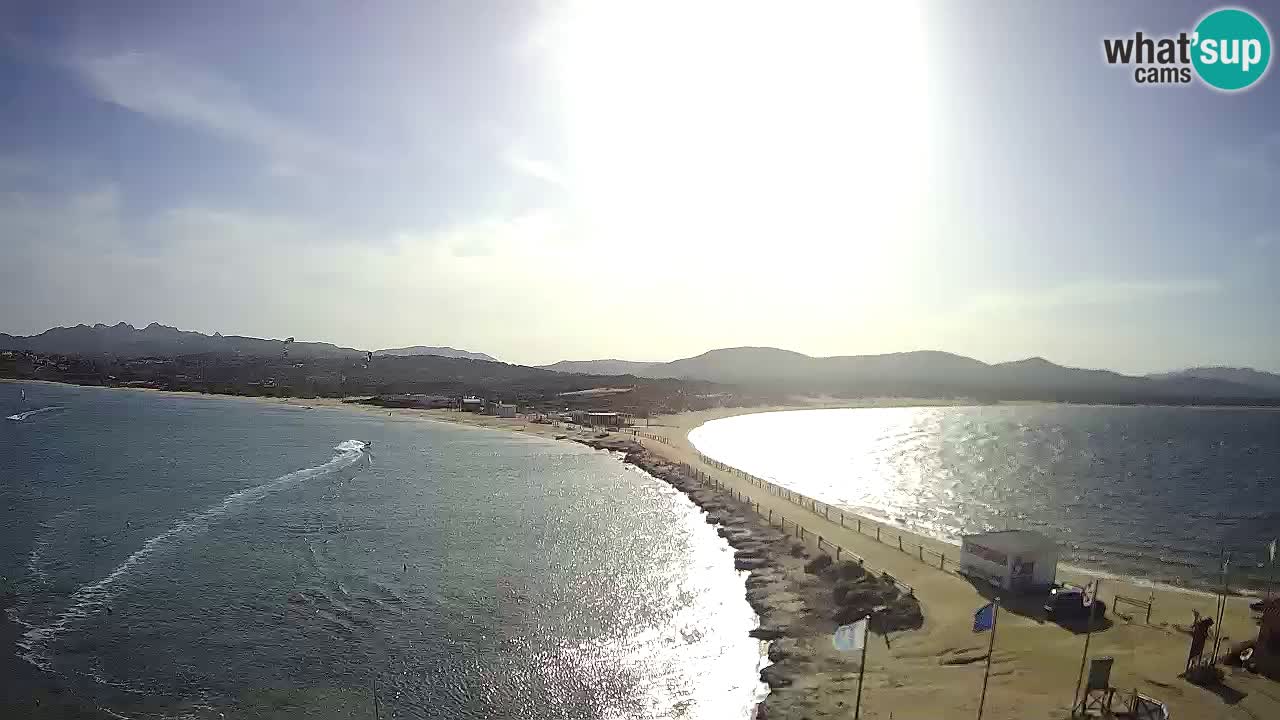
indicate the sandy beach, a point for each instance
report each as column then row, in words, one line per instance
column 936, row 672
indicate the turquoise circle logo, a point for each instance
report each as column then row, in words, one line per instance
column 1233, row 49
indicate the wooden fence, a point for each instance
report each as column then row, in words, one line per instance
column 882, row 533
column 792, row 527
column 1142, row 605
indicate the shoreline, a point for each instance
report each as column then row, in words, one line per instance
column 1035, row 665
column 798, row 595
column 681, row 423
column 933, row 671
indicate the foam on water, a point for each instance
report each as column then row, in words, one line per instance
column 92, row 598
column 24, row 415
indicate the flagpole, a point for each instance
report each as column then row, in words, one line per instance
column 862, row 666
column 1097, row 585
column 1222, row 612
column 995, row 619
column 1271, row 583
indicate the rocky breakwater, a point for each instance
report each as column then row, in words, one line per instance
column 800, row 594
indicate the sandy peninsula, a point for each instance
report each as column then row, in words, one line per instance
column 936, row 671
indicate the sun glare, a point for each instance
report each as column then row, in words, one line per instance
column 722, row 129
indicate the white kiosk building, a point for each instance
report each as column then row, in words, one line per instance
column 1016, row 560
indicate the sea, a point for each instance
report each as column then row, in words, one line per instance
column 167, row 556
column 1167, row 495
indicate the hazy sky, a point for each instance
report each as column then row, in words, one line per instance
column 645, row 180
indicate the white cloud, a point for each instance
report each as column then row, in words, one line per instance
column 172, row 92
column 537, row 169
column 82, row 258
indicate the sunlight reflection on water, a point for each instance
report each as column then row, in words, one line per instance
column 1142, row 491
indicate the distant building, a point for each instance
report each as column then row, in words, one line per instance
column 1017, row 560
column 471, row 404
column 504, row 410
column 605, row 419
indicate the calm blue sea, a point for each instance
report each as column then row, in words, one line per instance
column 1149, row 492
column 171, row 556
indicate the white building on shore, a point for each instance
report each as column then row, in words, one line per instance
column 1016, row 560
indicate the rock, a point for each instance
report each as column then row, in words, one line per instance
column 798, row 549
column 775, row 676
column 766, row 632
column 850, row 570
column 818, row 564
column 749, row 563
column 903, row 614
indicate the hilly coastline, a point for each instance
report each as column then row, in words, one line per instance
column 169, row 357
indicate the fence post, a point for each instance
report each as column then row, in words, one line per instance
column 826, row 512
column 942, row 561
column 900, row 543
column 770, row 517
column 838, row 551
column 921, row 553
column 1151, row 600
column 859, row 525
column 877, row 533
column 841, row 519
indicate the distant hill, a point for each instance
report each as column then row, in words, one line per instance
column 772, row 371
column 600, row 367
column 437, row 351
column 156, row 340
column 934, row 373
column 1241, row 376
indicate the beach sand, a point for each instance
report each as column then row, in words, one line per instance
column 937, row 671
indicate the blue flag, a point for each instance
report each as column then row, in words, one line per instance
column 984, row 618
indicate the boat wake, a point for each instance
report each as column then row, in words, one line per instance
column 94, row 597
column 24, row 415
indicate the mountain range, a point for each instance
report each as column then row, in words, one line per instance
column 926, row 373
column 156, row 340
column 930, row 373
column 437, row 351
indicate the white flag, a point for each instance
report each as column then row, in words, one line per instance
column 849, row 638
column 1086, row 597
column 1272, row 550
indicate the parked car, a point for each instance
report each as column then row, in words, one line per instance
column 1067, row 603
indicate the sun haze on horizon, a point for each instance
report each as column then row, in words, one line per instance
column 576, row 179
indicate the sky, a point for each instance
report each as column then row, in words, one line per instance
column 642, row 180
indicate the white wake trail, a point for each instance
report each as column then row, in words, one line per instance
column 24, row 415
column 92, row 598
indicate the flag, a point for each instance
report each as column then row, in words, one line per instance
column 1271, row 550
column 984, row 618
column 1087, row 595
column 849, row 638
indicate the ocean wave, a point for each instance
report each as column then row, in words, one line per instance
column 92, row 598
column 24, row 415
